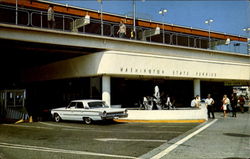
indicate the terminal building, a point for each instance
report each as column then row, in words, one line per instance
column 82, row 57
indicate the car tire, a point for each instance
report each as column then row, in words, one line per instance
column 57, row 118
column 87, row 121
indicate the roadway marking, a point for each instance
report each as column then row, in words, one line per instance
column 27, row 126
column 74, row 128
column 46, row 149
column 172, row 147
column 116, row 139
column 165, row 126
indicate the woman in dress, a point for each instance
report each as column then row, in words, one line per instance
column 225, row 102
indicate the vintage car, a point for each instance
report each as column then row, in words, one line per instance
column 88, row 111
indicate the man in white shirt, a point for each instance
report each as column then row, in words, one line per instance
column 122, row 30
column 193, row 102
column 51, row 17
column 210, row 105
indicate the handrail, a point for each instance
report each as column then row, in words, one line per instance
column 38, row 18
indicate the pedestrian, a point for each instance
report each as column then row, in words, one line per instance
column 225, row 103
column 234, row 102
column 193, row 103
column 51, row 17
column 241, row 101
column 210, row 106
column 122, row 30
column 198, row 101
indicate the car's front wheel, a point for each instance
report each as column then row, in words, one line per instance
column 57, row 118
column 87, row 120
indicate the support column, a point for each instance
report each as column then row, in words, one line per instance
column 106, row 89
column 197, row 87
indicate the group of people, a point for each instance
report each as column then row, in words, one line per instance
column 231, row 104
column 226, row 104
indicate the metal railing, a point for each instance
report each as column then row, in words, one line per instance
column 64, row 22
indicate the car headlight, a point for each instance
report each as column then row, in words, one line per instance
column 104, row 113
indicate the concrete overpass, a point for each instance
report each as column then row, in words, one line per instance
column 73, row 55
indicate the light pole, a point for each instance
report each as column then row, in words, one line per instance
column 163, row 12
column 247, row 30
column 134, row 16
column 209, row 21
column 16, row 12
column 100, row 1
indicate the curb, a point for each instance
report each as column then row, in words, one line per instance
column 160, row 121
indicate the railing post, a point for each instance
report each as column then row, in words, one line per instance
column 41, row 20
column 29, row 19
column 63, row 23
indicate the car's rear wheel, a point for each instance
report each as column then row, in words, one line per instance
column 57, row 118
column 87, row 120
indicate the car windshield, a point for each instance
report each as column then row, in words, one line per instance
column 97, row 105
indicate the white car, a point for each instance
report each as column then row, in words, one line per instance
column 88, row 111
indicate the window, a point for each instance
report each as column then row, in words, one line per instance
column 79, row 105
column 72, row 104
column 97, row 105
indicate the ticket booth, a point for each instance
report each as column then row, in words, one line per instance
column 12, row 104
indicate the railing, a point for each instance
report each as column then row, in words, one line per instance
column 63, row 22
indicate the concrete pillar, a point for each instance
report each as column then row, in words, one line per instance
column 197, row 87
column 106, row 89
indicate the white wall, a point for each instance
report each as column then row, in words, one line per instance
column 125, row 64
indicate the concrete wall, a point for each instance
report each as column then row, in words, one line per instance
column 127, row 64
column 168, row 115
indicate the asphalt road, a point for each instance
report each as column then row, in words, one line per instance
column 68, row 140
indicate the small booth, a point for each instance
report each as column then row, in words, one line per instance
column 12, row 104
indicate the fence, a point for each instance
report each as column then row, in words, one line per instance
column 63, row 22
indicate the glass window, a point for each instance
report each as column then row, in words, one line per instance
column 19, row 98
column 97, row 105
column 72, row 104
column 79, row 105
column 10, row 99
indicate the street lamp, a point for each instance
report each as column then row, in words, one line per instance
column 134, row 33
column 209, row 21
column 163, row 12
column 100, row 1
column 247, row 30
column 16, row 12
column 134, row 16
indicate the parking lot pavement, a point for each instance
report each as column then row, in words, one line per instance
column 225, row 138
column 68, row 140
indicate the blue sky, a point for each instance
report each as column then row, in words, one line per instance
column 230, row 16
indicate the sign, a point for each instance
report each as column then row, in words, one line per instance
column 236, row 83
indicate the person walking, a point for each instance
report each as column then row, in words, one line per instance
column 210, row 106
column 51, row 17
column 234, row 102
column 225, row 102
column 241, row 102
column 122, row 30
